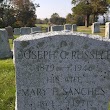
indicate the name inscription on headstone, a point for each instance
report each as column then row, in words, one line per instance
column 63, row 72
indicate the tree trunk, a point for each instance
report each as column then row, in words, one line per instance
column 93, row 18
column 104, row 20
column 87, row 20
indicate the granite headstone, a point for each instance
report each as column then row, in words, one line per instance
column 57, row 28
column 9, row 29
column 25, row 30
column 36, row 29
column 62, row 71
column 17, row 31
column 96, row 27
column 68, row 27
column 74, row 27
column 5, row 51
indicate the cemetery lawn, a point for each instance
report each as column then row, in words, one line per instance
column 7, row 85
column 88, row 30
column 43, row 27
column 83, row 29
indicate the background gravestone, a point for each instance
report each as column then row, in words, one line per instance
column 5, row 50
column 96, row 27
column 36, row 29
column 68, row 27
column 46, row 29
column 62, row 71
column 57, row 28
column 74, row 27
column 9, row 29
column 49, row 29
column 107, row 30
column 17, row 31
column 25, row 30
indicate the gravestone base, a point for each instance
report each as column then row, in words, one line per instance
column 5, row 55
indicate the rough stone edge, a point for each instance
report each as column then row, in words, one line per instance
column 65, row 32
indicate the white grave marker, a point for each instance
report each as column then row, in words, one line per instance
column 107, row 30
column 96, row 27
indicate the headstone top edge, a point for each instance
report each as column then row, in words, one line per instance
column 107, row 22
column 68, row 24
column 58, row 33
column 96, row 23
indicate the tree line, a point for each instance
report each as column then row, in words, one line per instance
column 55, row 19
column 18, row 13
column 90, row 9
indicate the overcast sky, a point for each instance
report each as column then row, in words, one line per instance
column 48, row 7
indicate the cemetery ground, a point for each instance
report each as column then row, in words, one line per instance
column 7, row 84
column 7, row 76
column 88, row 30
column 83, row 29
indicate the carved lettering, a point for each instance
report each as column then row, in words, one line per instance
column 75, row 54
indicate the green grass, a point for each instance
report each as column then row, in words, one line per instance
column 42, row 25
column 88, row 30
column 7, row 85
column 11, row 42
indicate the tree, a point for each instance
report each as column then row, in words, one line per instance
column 69, row 18
column 56, row 19
column 9, row 17
column 39, row 21
column 17, row 13
column 79, row 20
column 98, row 7
column 1, row 1
column 46, row 21
column 89, row 7
column 26, row 16
column 55, row 15
column 83, row 9
column 25, row 13
column 6, row 14
column 20, row 4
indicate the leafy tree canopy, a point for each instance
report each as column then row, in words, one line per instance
column 69, row 18
column 54, row 15
column 1, row 1
column 90, row 7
